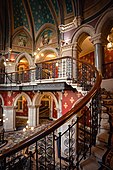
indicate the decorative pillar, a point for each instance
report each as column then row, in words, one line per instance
column 51, row 109
column 99, row 44
column 33, row 74
column 98, row 57
column 33, row 115
column 66, row 49
column 9, row 118
column 37, row 114
column 75, row 54
column 59, row 109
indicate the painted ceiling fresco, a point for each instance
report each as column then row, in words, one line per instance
column 40, row 11
column 20, row 18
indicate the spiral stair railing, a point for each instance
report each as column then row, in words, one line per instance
column 64, row 143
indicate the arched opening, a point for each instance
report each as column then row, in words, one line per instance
column 21, row 119
column 48, row 68
column 47, row 109
column 87, row 50
column 108, row 57
column 45, row 55
column 22, row 69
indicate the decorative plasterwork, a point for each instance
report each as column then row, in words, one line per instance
column 66, row 47
column 74, row 24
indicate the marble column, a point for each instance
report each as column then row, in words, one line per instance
column 99, row 43
column 75, row 55
column 8, row 118
column 98, row 53
column 33, row 74
column 33, row 115
column 59, row 109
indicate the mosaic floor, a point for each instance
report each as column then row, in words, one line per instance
column 15, row 137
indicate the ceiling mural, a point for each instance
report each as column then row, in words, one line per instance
column 69, row 7
column 47, row 37
column 56, row 6
column 41, row 13
column 20, row 18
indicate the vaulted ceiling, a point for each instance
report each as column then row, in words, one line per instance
column 34, row 14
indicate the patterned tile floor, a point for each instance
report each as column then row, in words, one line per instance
column 14, row 137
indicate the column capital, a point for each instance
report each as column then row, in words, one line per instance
column 98, row 39
column 34, row 106
column 8, row 107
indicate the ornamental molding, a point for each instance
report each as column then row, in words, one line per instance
column 74, row 24
column 99, row 39
column 67, row 47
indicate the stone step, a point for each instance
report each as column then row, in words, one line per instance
column 105, row 125
column 98, row 151
column 103, row 138
column 89, row 164
column 79, row 88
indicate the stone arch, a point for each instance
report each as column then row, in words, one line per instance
column 37, row 100
column 29, row 104
column 81, row 33
column 27, row 56
column 50, row 48
column 53, row 50
column 26, row 96
column 39, row 96
column 105, row 23
column 19, row 29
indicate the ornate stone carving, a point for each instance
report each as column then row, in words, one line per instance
column 74, row 24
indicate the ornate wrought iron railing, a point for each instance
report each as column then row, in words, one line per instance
column 68, row 140
column 65, row 68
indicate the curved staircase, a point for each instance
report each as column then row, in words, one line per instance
column 102, row 153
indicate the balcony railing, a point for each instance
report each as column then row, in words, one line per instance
column 66, row 142
column 57, row 70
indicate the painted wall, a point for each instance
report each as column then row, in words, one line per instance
column 68, row 100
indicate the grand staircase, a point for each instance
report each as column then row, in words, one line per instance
column 71, row 136
column 101, row 157
column 102, row 153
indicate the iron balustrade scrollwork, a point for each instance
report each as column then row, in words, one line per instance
column 64, row 143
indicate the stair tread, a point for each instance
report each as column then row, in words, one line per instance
column 98, row 151
column 89, row 164
column 103, row 137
